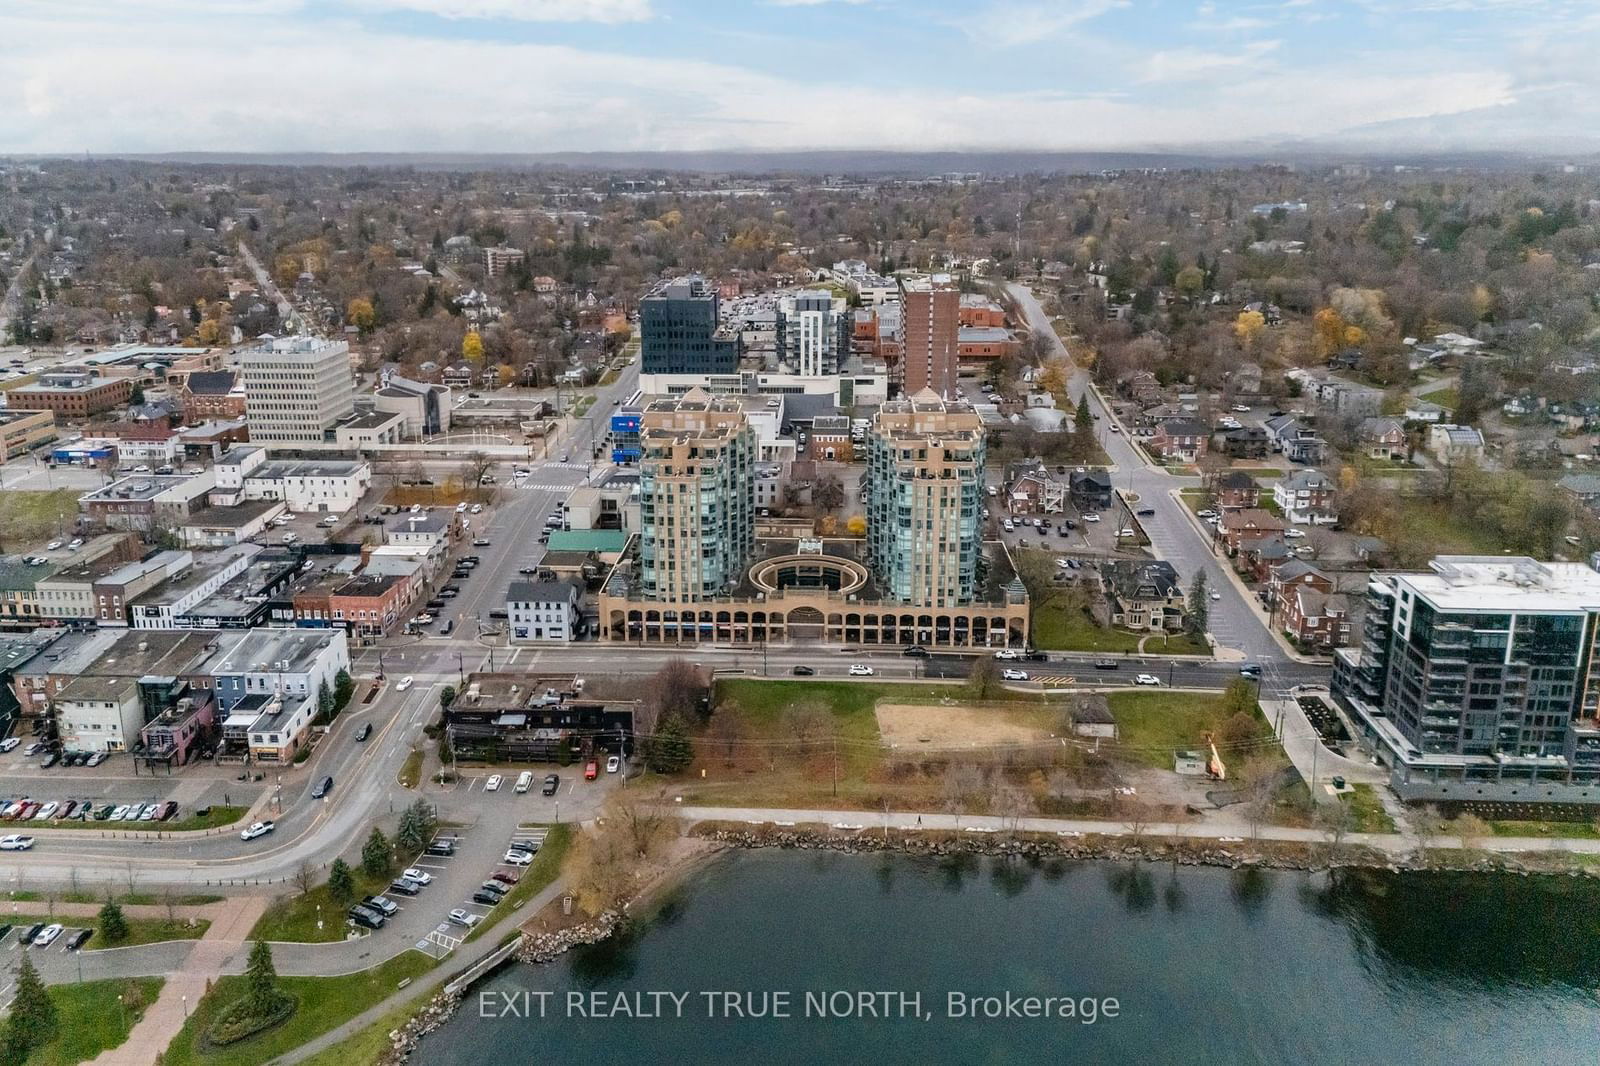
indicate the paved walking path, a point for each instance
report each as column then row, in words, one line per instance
column 231, row 923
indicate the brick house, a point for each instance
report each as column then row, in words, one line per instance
column 1239, row 529
column 1144, row 595
column 1036, row 491
column 1306, row 498
column 1293, row 575
column 1317, row 619
column 370, row 604
column 830, row 439
column 1382, row 438
column 1182, row 439
column 211, row 394
column 1248, row 442
column 1257, row 561
column 1237, row 490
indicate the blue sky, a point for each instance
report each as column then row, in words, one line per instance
column 556, row 75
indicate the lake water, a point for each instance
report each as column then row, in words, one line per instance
column 1205, row 965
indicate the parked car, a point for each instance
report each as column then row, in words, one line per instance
column 466, row 918
column 168, row 810
column 47, row 936
column 404, row 886
column 551, row 783
column 1036, row 656
column 421, row 877
column 860, row 670
column 79, row 938
column 524, row 781
column 47, row 811
column 498, row 888
column 366, row 917
column 1007, row 653
column 493, row 784
column 916, row 651
column 96, row 758
column 590, row 770
column 259, row 829
column 613, row 764
column 442, row 847
column 505, row 877
column 485, row 899
column 517, row 858
column 481, row 542
column 386, row 907
column 8, row 744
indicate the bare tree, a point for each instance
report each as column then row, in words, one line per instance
column 304, row 878
column 1259, row 780
column 807, row 722
column 1334, row 819
column 726, row 731
column 962, row 782
column 1011, row 804
column 476, row 465
column 984, row 682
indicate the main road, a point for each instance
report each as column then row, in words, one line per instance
column 1234, row 621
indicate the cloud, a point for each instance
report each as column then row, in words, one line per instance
column 814, row 3
column 1009, row 23
column 1189, row 64
column 607, row 11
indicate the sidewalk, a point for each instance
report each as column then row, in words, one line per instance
column 211, row 954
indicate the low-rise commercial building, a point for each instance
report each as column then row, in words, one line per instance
column 23, row 431
column 71, row 392
column 542, row 612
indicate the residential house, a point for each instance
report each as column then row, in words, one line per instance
column 1247, row 442
column 1143, row 595
column 1423, row 411
column 1180, row 439
column 1238, row 529
column 1090, row 489
column 1294, row 574
column 459, row 375
column 1455, row 444
column 1236, row 490
column 1383, row 438
column 1258, row 558
column 1317, row 619
column 1297, row 442
column 1584, row 488
column 1035, row 490
column 1306, row 498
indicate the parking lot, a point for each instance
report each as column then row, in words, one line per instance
column 468, row 889
column 96, row 792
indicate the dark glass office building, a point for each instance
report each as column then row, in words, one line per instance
column 680, row 332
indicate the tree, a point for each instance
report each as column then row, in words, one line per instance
column 1199, row 614
column 726, row 730
column 344, row 687
column 447, row 696
column 113, row 926
column 1335, row 820
column 377, row 856
column 827, row 495
column 341, row 883
column 416, row 826
column 476, row 466
column 984, row 681
column 360, row 314
column 136, row 397
column 324, row 701
column 806, row 722
column 261, row 981
column 670, row 750
column 678, row 688
column 305, row 877
column 33, row 1020
column 1053, row 379
column 1190, row 281
column 1247, row 328
column 472, row 348
column 856, row 526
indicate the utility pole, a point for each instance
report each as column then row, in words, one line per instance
column 836, row 765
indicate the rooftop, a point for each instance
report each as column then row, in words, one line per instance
column 1505, row 583
column 287, row 468
column 271, row 650
column 137, row 487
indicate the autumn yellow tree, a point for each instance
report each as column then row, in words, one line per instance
column 472, row 347
column 857, row 525
column 361, row 315
column 210, row 332
column 1053, row 379
column 1328, row 331
column 1247, row 327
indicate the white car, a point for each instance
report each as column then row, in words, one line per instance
column 47, row 811
column 1126, row 531
column 1293, row 534
column 15, row 843
column 1115, row 428
column 613, row 764
column 121, row 813
column 1008, row 653
column 1207, row 513
column 517, row 858
column 1091, row 517
column 860, row 670
column 461, row 508
column 1241, row 408
column 47, row 936
column 477, row 508
column 1007, row 524
column 405, row 683
column 259, row 829
column 1014, row 675
column 421, row 877
column 9, row 743
column 53, row 545
column 1147, row 679
column 493, row 784
column 466, row 918
column 1216, row 595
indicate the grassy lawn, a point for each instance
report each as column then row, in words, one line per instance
column 325, row 1002
column 294, row 918
column 140, row 930
column 581, row 408
column 215, row 817
column 143, row 899
column 543, row 870
column 1058, row 629
column 1448, row 397
column 372, row 1043
column 1153, row 725
column 1177, row 644
column 91, row 1020
column 1570, row 830
column 411, row 770
column 31, row 517
column 1367, row 813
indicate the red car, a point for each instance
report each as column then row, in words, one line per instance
column 505, row 878
column 590, row 771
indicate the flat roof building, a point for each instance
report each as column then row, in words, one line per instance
column 296, row 389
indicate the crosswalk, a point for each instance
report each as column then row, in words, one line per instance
column 1053, row 679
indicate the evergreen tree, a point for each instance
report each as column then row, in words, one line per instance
column 1199, row 606
column 670, row 750
column 261, row 981
column 344, row 687
column 136, row 397
column 324, row 701
column 341, row 885
column 113, row 926
column 416, row 826
column 33, row 1020
column 377, row 857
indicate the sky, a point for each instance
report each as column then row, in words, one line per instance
column 108, row 76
